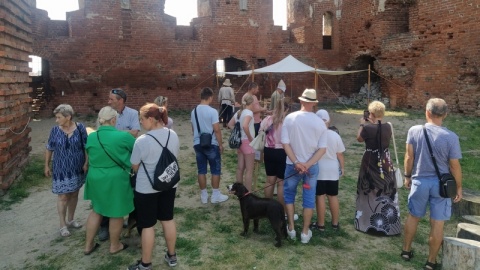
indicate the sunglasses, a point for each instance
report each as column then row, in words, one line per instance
column 120, row 93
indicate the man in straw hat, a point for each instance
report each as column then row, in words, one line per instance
column 226, row 97
column 278, row 94
column 304, row 142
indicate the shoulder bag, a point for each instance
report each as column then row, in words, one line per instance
column 398, row 172
column 235, row 140
column 448, row 186
column 205, row 138
column 133, row 175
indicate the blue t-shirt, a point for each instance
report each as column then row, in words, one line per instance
column 207, row 116
column 445, row 146
column 128, row 120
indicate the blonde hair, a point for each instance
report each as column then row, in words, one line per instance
column 377, row 108
column 245, row 102
column 278, row 113
column 106, row 115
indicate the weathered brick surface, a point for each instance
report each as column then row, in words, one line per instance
column 142, row 50
column 15, row 46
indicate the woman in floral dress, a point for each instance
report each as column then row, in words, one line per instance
column 377, row 208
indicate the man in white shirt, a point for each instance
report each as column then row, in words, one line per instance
column 304, row 143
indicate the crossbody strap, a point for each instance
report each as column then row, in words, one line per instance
column 143, row 164
column 394, row 144
column 196, row 119
column 81, row 138
column 431, row 152
column 118, row 164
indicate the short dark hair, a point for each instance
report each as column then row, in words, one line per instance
column 206, row 93
column 120, row 93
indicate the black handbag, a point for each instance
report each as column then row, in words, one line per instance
column 205, row 138
column 448, row 185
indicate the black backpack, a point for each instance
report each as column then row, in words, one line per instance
column 235, row 140
column 167, row 171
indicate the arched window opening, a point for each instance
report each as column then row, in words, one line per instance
column 327, row 30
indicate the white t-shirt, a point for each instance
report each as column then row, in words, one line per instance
column 329, row 165
column 146, row 149
column 303, row 131
column 251, row 127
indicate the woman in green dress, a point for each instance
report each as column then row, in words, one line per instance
column 108, row 180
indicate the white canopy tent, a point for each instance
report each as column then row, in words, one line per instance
column 290, row 64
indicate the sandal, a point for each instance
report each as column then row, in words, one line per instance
column 430, row 266
column 92, row 250
column 74, row 224
column 64, row 232
column 315, row 226
column 407, row 255
column 124, row 246
column 336, row 227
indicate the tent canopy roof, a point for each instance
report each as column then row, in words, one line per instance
column 290, row 64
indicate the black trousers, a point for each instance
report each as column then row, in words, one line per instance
column 226, row 113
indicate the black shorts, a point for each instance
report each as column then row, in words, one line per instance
column 327, row 187
column 275, row 162
column 153, row 207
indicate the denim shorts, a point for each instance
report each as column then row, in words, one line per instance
column 212, row 155
column 427, row 191
column 291, row 183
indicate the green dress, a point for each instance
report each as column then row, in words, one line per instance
column 108, row 185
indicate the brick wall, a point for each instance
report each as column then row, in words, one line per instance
column 142, row 50
column 15, row 46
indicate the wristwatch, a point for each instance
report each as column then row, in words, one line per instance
column 296, row 161
column 407, row 175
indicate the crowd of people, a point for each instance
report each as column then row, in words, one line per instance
column 301, row 148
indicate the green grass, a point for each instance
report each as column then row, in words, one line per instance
column 32, row 176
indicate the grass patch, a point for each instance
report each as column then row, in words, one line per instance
column 32, row 176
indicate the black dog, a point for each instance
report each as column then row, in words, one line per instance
column 254, row 207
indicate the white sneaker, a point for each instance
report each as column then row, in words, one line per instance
column 204, row 198
column 295, row 217
column 218, row 198
column 292, row 234
column 305, row 238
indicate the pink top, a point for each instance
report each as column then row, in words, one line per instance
column 255, row 107
column 274, row 135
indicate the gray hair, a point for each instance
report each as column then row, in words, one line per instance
column 160, row 101
column 437, row 107
column 65, row 110
column 106, row 115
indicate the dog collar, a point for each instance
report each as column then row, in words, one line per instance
column 244, row 195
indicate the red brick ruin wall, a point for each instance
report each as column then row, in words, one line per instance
column 423, row 48
column 15, row 46
column 141, row 49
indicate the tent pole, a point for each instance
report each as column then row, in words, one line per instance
column 316, row 78
column 253, row 74
column 368, row 89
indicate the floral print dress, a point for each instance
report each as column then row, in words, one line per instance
column 377, row 209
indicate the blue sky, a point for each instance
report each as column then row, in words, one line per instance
column 57, row 9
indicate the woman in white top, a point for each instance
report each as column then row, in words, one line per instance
column 150, row 204
column 246, row 154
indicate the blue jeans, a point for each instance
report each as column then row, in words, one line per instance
column 291, row 183
column 210, row 155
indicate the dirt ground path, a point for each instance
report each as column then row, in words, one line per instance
column 30, row 229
